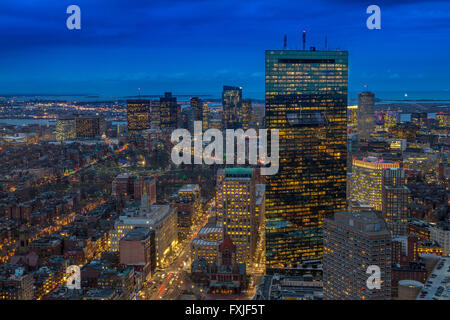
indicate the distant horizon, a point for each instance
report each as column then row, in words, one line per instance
column 438, row 96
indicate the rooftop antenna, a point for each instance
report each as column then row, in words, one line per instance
column 285, row 42
column 304, row 39
column 326, row 43
column 139, row 92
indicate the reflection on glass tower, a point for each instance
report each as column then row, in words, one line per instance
column 306, row 99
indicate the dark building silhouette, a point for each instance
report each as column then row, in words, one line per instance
column 169, row 111
column 232, row 107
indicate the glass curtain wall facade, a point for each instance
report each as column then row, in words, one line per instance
column 138, row 114
column 232, row 107
column 306, row 99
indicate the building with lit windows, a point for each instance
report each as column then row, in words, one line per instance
column 187, row 117
column 236, row 210
column 406, row 263
column 206, row 244
column 15, row 283
column 353, row 241
column 169, row 111
column 138, row 113
column 366, row 118
column 197, row 105
column 66, row 128
column 224, row 276
column 232, row 107
column 443, row 119
column 391, row 119
column 419, row 118
column 89, row 127
column 395, row 198
column 227, row 275
column 155, row 114
column 352, row 112
column 188, row 204
column 246, row 113
column 162, row 219
column 441, row 234
column 205, row 117
column 367, row 179
column 137, row 248
column 306, row 100
column 215, row 124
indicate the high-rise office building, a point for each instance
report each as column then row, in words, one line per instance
column 419, row 118
column 394, row 205
column 131, row 187
column 187, row 118
column 197, row 105
column 443, row 119
column 353, row 241
column 366, row 119
column 367, row 179
column 352, row 113
column 188, row 203
column 169, row 111
column 232, row 107
column 236, row 210
column 160, row 218
column 306, row 100
column 89, row 127
column 138, row 115
column 66, row 128
column 391, row 119
column 155, row 114
column 205, row 117
column 246, row 113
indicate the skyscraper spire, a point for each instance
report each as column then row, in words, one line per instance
column 304, row 39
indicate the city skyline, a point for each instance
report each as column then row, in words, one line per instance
column 200, row 150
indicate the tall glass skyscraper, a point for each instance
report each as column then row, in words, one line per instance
column 138, row 113
column 232, row 107
column 169, row 111
column 366, row 118
column 306, row 99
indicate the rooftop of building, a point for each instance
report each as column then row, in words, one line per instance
column 375, row 162
column 364, row 221
column 157, row 213
column 137, row 234
column 282, row 287
column 189, row 188
column 210, row 229
column 238, row 172
column 203, row 242
column 99, row 294
column 124, row 175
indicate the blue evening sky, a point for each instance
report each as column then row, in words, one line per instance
column 195, row 47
